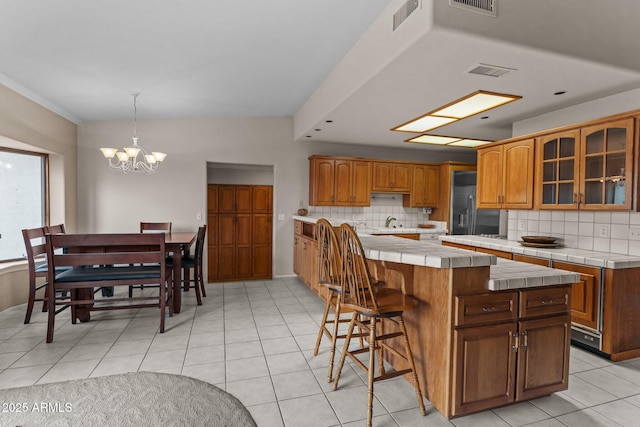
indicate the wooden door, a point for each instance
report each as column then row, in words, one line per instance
column 382, row 176
column 261, row 196
column 226, row 199
column 240, row 235
column 212, row 248
column 484, row 367
column 585, row 295
column 361, row 183
column 343, row 182
column 226, row 246
column 517, row 184
column 489, row 178
column 401, row 177
column 261, row 240
column 243, row 246
column 557, row 171
column 243, row 198
column 212, row 198
column 321, row 182
column 543, row 357
column 606, row 165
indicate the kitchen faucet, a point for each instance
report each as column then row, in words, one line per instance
column 388, row 221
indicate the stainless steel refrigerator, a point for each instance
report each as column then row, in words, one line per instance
column 465, row 218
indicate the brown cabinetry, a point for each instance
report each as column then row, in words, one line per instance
column 509, row 346
column 588, row 168
column 240, row 231
column 305, row 254
column 339, row 182
column 424, row 186
column 585, row 295
column 505, row 176
column 391, row 177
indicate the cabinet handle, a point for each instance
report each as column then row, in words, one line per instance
column 515, row 344
column 525, row 340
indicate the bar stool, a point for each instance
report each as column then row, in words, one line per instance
column 378, row 306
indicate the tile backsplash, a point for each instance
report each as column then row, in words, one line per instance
column 382, row 206
column 596, row 231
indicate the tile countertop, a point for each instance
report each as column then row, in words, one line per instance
column 504, row 274
column 576, row 256
column 508, row 274
column 374, row 230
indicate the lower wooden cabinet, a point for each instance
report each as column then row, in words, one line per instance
column 585, row 294
column 514, row 360
column 305, row 254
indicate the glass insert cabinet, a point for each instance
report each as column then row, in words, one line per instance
column 589, row 168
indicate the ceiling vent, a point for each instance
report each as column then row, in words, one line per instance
column 490, row 70
column 485, row 7
column 403, row 13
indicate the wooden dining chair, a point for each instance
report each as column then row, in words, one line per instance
column 379, row 306
column 194, row 262
column 38, row 268
column 329, row 268
column 151, row 227
column 55, row 229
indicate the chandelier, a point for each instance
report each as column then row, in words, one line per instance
column 127, row 160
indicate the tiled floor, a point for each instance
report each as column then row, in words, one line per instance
column 255, row 340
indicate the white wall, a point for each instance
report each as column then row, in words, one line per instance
column 111, row 202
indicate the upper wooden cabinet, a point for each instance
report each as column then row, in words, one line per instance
column 339, row 182
column 505, row 176
column 424, row 187
column 391, row 177
column 590, row 168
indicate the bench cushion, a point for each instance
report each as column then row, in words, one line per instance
column 96, row 274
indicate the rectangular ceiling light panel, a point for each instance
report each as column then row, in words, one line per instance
column 433, row 139
column 424, row 123
column 473, row 104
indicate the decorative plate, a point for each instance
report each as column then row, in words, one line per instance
column 539, row 245
column 539, row 239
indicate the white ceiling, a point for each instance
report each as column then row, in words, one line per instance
column 228, row 58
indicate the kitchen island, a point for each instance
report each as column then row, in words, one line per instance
column 486, row 333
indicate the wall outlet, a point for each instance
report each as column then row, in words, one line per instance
column 634, row 232
column 281, row 217
column 522, row 225
column 603, row 231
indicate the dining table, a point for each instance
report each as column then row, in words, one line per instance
column 175, row 244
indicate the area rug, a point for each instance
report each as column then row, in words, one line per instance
column 135, row 399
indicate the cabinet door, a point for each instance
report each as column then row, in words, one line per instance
column 261, row 246
column 382, row 176
column 343, row 182
column 517, row 178
column 431, row 186
column 401, row 178
column 321, row 182
column 212, row 248
column 557, row 171
column 543, row 357
column 361, row 183
column 606, row 156
column 212, row 198
column 226, row 246
column 262, row 198
column 226, row 199
column 243, row 198
column 243, row 236
column 483, row 367
column 489, row 181
column 585, row 294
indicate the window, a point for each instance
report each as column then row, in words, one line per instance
column 23, row 198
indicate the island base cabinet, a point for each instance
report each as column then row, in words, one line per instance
column 499, row 364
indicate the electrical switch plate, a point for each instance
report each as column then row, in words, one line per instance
column 281, row 217
column 199, row 216
column 634, row 232
column 603, row 231
column 521, row 225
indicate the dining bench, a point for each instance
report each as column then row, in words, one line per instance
column 106, row 260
